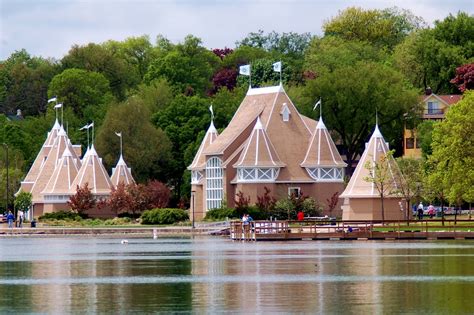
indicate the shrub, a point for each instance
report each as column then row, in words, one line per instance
column 284, row 210
column 164, row 216
column 311, row 208
column 61, row 215
column 256, row 213
column 118, row 221
column 221, row 214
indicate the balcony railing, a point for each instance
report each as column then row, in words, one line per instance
column 433, row 112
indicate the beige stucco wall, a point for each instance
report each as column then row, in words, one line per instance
column 370, row 209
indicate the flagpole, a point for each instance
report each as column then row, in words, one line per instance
column 281, row 70
column 250, row 75
column 120, row 143
column 62, row 115
column 88, row 139
column 92, row 140
column 320, row 107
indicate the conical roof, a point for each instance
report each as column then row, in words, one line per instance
column 259, row 150
column 63, row 175
column 322, row 151
column 121, row 173
column 199, row 161
column 92, row 172
column 374, row 150
column 43, row 153
column 49, row 165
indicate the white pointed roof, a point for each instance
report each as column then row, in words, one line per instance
column 322, row 151
column 122, row 173
column 92, row 172
column 49, row 164
column 259, row 150
column 199, row 161
column 63, row 175
column 374, row 149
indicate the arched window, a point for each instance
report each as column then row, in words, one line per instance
column 214, row 183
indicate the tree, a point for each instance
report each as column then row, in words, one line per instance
column 120, row 201
column 424, row 136
column 384, row 28
column 266, row 203
column 263, row 74
column 453, row 144
column 146, row 149
column 409, row 180
column 155, row 96
column 82, row 200
column 464, row 78
column 158, row 195
column 96, row 58
column 381, row 176
column 80, row 89
column 187, row 66
column 23, row 201
column 351, row 95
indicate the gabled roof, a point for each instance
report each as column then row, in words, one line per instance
column 259, row 150
column 43, row 153
column 63, row 175
column 358, row 187
column 121, row 173
column 322, row 151
column 199, row 161
column 92, row 172
column 449, row 99
column 50, row 162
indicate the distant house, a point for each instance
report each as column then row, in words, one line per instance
column 434, row 108
column 268, row 143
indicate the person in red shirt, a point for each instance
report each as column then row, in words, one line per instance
column 300, row 216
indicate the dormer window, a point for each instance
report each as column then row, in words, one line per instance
column 285, row 112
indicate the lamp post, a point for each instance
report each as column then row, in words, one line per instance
column 8, row 166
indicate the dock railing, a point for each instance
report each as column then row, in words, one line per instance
column 317, row 229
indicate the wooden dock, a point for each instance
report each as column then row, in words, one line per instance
column 352, row 230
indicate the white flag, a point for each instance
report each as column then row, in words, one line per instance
column 90, row 125
column 85, row 127
column 58, row 105
column 54, row 99
column 119, row 134
column 212, row 112
column 245, row 70
column 317, row 104
column 277, row 66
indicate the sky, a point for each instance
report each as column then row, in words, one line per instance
column 49, row 28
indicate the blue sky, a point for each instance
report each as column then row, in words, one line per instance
column 49, row 28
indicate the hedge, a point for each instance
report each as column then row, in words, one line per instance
column 164, row 216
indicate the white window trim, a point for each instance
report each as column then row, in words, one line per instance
column 257, row 174
column 320, row 174
column 196, row 177
column 294, row 188
column 214, row 183
column 285, row 113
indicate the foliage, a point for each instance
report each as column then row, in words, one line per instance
column 381, row 176
column 424, row 133
column 262, row 74
column 464, row 78
column 242, row 203
column 310, row 207
column 332, row 202
column 453, row 144
column 220, row 214
column 284, row 210
column 409, row 180
column 164, row 216
column 384, row 28
column 145, row 148
column 119, row 201
column 266, row 203
column 61, row 215
column 82, row 200
column 23, row 200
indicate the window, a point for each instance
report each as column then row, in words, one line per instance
column 433, row 108
column 257, row 174
column 409, row 143
column 325, row 173
column 294, row 191
column 285, row 112
column 214, row 183
column 196, row 176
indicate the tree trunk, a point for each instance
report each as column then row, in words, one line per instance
column 383, row 210
column 408, row 211
column 442, row 211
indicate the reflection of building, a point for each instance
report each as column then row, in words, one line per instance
column 58, row 170
column 266, row 144
column 361, row 197
column 434, row 108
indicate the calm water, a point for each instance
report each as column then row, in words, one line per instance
column 209, row 274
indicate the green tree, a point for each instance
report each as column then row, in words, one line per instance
column 145, row 149
column 351, row 95
column 381, row 176
column 424, row 133
column 384, row 28
column 81, row 90
column 23, row 201
column 155, row 96
column 187, row 66
column 97, row 58
column 409, row 180
column 453, row 144
column 263, row 74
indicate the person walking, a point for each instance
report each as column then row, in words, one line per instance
column 420, row 211
column 10, row 219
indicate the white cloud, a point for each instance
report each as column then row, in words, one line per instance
column 50, row 27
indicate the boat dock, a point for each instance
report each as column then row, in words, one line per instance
column 351, row 230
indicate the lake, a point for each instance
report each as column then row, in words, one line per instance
column 214, row 274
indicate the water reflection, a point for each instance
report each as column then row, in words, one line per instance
column 204, row 274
